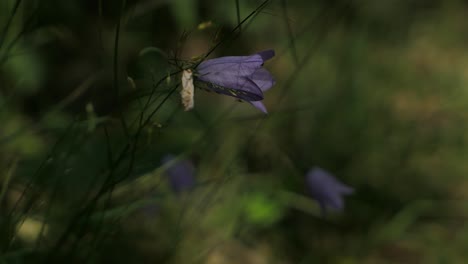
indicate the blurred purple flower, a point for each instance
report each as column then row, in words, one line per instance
column 180, row 174
column 239, row 76
column 326, row 189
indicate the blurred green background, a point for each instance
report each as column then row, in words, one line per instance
column 372, row 91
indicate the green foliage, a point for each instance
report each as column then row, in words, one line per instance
column 372, row 92
column 262, row 210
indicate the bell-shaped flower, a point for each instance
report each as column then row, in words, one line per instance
column 181, row 174
column 242, row 77
column 326, row 189
column 181, row 178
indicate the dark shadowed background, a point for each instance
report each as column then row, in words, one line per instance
column 373, row 92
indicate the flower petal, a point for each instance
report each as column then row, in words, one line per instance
column 263, row 79
column 232, row 80
column 230, row 71
column 266, row 54
column 253, row 93
column 180, row 174
column 326, row 189
column 231, row 63
column 239, row 76
column 259, row 105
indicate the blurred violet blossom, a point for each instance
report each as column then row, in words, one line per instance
column 326, row 189
column 181, row 178
column 242, row 77
column 181, row 174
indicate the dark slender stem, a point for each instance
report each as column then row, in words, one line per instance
column 290, row 33
column 25, row 29
column 238, row 14
column 258, row 9
column 8, row 24
column 100, row 24
column 116, row 71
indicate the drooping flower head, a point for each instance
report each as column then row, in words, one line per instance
column 180, row 174
column 326, row 189
column 242, row 77
column 181, row 178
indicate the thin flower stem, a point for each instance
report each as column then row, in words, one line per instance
column 290, row 33
column 8, row 23
column 300, row 202
column 116, row 70
column 7, row 180
column 238, row 14
column 257, row 10
column 26, row 27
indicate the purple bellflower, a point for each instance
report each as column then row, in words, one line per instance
column 180, row 174
column 326, row 189
column 238, row 76
column 181, row 178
